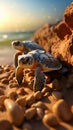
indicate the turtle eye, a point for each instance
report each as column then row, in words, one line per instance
column 17, row 42
column 27, row 59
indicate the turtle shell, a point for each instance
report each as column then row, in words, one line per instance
column 46, row 60
column 30, row 45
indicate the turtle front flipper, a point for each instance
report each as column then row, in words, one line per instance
column 19, row 75
column 16, row 58
column 39, row 80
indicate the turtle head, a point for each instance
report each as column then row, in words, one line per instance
column 26, row 61
column 18, row 45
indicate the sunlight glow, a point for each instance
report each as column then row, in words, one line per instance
column 2, row 16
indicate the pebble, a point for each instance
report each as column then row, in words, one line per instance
column 5, row 81
column 57, row 95
column 22, row 101
column 72, row 109
column 3, row 86
column 45, row 90
column 5, row 125
column 1, row 91
column 7, row 69
column 40, row 113
column 26, row 126
column 55, row 84
column 39, row 104
column 50, row 120
column 12, row 95
column 62, row 109
column 2, row 98
column 4, row 75
column 1, row 70
column 38, row 95
column 15, row 112
column 21, row 91
column 30, row 113
column 47, row 94
column 13, row 85
column 30, row 100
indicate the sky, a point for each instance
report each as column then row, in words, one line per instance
column 29, row 15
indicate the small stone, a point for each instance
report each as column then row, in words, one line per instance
column 55, row 84
column 62, row 109
column 5, row 125
column 12, row 95
column 30, row 113
column 15, row 112
column 21, row 91
column 4, row 75
column 30, row 100
column 40, row 113
column 1, row 70
column 38, row 95
column 5, row 81
column 22, row 101
column 7, row 69
column 3, row 86
column 39, row 104
column 45, row 89
column 1, row 91
column 57, row 95
column 26, row 126
column 13, row 85
column 47, row 94
column 50, row 120
column 2, row 98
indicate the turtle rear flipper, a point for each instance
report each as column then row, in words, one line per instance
column 19, row 75
column 39, row 80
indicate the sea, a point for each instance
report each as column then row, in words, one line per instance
column 15, row 35
column 6, row 51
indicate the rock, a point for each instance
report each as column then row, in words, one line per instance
column 57, row 95
column 2, row 98
column 50, row 119
column 62, row 109
column 1, row 70
column 5, row 81
column 68, row 16
column 22, row 101
column 30, row 100
column 39, row 104
column 13, row 85
column 15, row 112
column 45, row 37
column 5, row 125
column 26, row 126
column 70, row 81
column 55, row 84
column 21, row 91
column 1, row 91
column 40, row 113
column 30, row 113
column 38, row 95
column 45, row 89
column 12, row 95
column 4, row 75
column 62, row 30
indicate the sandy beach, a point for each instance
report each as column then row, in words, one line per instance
column 6, row 55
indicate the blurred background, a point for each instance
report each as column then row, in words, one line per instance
column 19, row 20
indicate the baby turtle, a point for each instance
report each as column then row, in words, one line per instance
column 24, row 47
column 40, row 61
